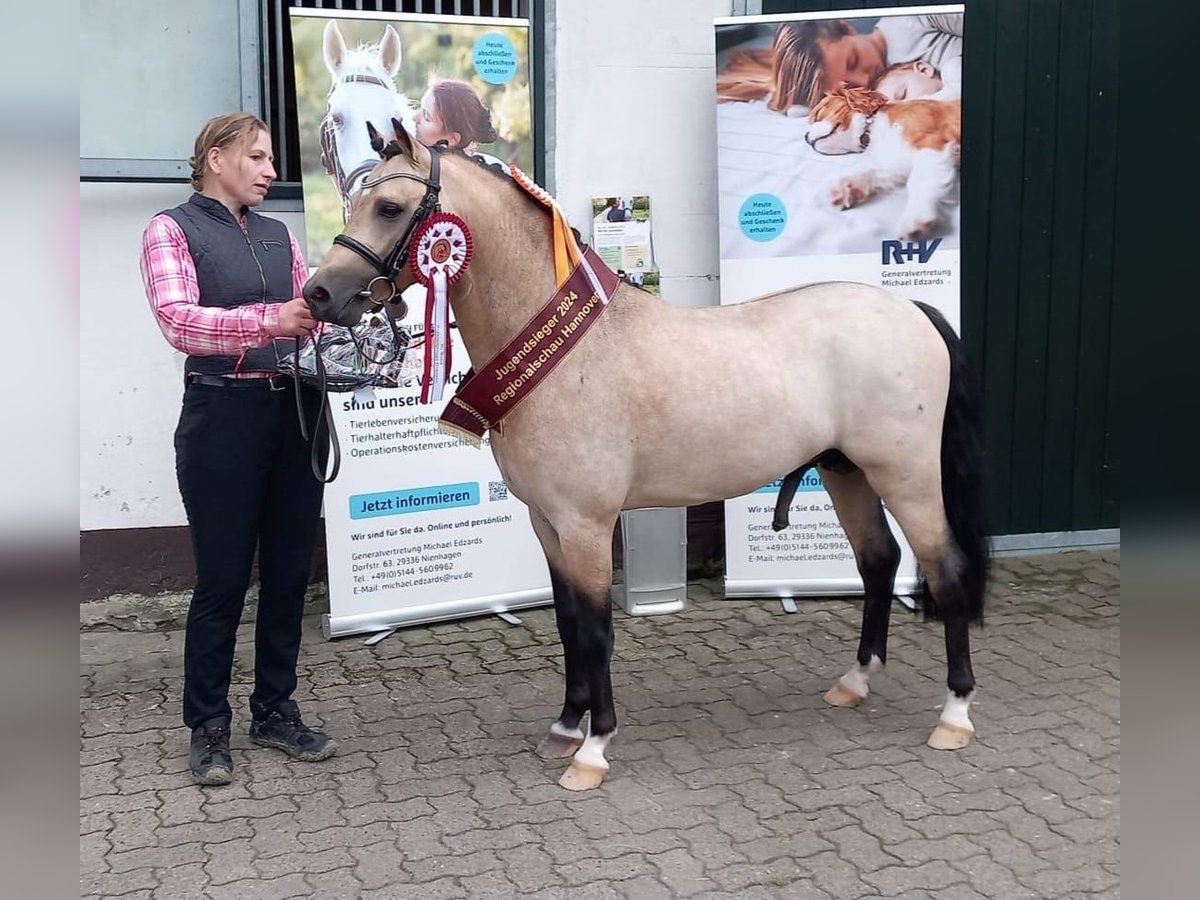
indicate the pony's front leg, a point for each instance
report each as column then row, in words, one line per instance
column 589, row 767
column 566, row 734
column 588, row 571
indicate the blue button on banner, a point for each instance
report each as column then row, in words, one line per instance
column 495, row 58
column 810, row 481
column 410, row 500
column 762, row 217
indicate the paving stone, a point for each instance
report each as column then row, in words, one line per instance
column 258, row 889
column 315, row 863
column 180, row 881
column 115, row 884
column 229, row 861
column 155, row 857
column 898, row 880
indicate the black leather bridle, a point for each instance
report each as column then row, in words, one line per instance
column 389, row 267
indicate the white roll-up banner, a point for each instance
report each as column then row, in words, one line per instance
column 419, row 527
column 883, row 209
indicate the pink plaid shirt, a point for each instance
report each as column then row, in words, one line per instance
column 170, row 278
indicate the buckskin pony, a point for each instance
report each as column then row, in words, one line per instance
column 872, row 390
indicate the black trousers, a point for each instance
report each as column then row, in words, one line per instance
column 247, row 483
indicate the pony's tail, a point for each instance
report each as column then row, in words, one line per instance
column 962, row 471
column 747, row 76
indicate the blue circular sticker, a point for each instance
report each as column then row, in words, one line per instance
column 762, row 217
column 495, row 58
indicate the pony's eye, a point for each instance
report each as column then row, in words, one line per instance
column 390, row 210
column 337, row 120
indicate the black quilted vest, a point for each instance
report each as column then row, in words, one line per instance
column 235, row 266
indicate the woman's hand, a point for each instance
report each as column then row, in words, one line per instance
column 295, row 318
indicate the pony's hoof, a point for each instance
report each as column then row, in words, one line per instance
column 582, row 777
column 840, row 695
column 557, row 746
column 950, row 737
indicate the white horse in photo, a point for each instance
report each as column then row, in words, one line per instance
column 363, row 90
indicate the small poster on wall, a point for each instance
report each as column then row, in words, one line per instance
column 621, row 237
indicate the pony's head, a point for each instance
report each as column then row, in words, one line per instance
column 365, row 266
column 839, row 123
column 362, row 90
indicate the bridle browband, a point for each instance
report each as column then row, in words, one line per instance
column 389, row 267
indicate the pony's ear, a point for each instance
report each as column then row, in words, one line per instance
column 377, row 141
column 389, row 52
column 403, row 139
column 333, row 47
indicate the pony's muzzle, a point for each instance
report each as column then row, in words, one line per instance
column 326, row 307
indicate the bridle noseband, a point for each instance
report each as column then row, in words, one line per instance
column 389, row 267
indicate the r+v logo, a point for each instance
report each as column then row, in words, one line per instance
column 905, row 251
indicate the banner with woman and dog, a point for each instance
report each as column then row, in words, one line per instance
column 419, row 526
column 838, row 147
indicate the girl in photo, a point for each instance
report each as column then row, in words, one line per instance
column 452, row 112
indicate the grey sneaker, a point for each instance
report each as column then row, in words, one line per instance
column 209, row 757
column 283, row 729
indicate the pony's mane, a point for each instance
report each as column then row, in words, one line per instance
column 393, row 149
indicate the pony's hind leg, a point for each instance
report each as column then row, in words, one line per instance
column 878, row 556
column 954, row 594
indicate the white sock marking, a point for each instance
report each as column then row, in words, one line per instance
column 956, row 710
column 574, row 734
column 592, row 751
column 856, row 679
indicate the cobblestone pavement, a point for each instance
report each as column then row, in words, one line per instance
column 731, row 777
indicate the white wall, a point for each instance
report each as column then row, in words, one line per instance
column 633, row 114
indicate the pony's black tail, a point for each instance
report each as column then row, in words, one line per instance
column 962, row 471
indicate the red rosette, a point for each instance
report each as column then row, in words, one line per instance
column 442, row 244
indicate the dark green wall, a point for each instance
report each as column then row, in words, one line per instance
column 1038, row 200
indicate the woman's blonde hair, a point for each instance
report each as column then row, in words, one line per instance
column 223, row 131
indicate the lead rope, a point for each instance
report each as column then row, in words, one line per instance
column 324, row 413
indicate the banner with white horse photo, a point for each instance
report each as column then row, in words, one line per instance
column 838, row 143
column 419, row 526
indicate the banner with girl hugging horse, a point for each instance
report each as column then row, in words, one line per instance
column 838, row 139
column 419, row 526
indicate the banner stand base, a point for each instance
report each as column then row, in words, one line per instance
column 650, row 603
column 738, row 589
column 333, row 626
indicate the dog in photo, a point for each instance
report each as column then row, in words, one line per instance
column 910, row 143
